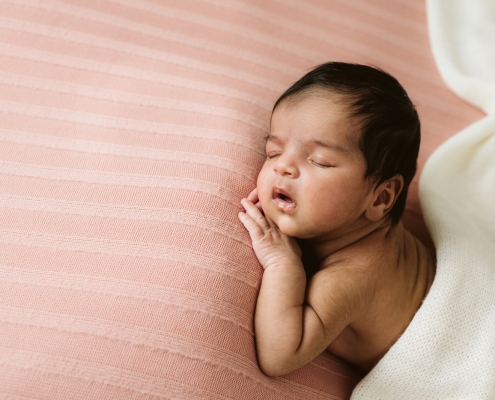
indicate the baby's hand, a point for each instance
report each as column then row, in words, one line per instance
column 253, row 197
column 271, row 246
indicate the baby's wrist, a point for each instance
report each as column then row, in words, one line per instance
column 290, row 264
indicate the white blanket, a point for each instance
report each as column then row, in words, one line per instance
column 448, row 350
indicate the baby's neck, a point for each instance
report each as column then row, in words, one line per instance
column 323, row 247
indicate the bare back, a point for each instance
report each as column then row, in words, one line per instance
column 390, row 273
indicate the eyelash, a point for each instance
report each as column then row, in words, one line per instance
column 312, row 161
column 320, row 165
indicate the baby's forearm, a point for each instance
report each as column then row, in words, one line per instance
column 289, row 333
column 279, row 315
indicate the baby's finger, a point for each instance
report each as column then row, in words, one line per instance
column 271, row 224
column 255, row 214
column 253, row 196
column 255, row 231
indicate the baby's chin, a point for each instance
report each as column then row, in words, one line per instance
column 289, row 228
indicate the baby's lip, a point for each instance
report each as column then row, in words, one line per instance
column 281, row 193
column 283, row 200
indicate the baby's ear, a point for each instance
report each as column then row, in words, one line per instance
column 384, row 198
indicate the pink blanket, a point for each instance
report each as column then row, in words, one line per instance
column 129, row 131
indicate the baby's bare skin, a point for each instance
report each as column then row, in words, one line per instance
column 377, row 279
column 372, row 276
column 396, row 271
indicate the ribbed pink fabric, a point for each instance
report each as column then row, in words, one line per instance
column 129, row 131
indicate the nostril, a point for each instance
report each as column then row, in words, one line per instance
column 285, row 168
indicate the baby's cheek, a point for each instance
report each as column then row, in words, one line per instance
column 323, row 207
column 265, row 203
column 263, row 187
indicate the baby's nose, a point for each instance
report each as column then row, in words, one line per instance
column 286, row 167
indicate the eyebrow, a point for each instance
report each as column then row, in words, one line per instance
column 333, row 146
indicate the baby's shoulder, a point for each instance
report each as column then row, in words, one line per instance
column 363, row 252
column 343, row 281
column 355, row 275
column 362, row 260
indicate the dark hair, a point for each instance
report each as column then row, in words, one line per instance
column 390, row 127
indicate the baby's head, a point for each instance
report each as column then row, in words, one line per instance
column 341, row 153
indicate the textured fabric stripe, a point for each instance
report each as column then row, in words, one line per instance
column 131, row 379
column 354, row 22
column 374, row 10
column 165, row 273
column 135, row 50
column 347, row 20
column 140, row 336
column 110, row 178
column 194, row 108
column 104, row 121
column 63, row 386
column 197, row 219
column 418, row 6
column 32, row 139
column 142, row 101
column 215, row 23
column 158, row 32
column 134, row 381
column 138, row 290
column 84, row 64
column 10, row 396
column 320, row 35
column 132, row 249
column 126, row 195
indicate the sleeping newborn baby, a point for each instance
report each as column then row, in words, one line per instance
column 340, row 156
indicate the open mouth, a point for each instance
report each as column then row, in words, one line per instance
column 283, row 200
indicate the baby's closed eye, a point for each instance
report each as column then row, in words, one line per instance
column 321, row 164
column 271, row 156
